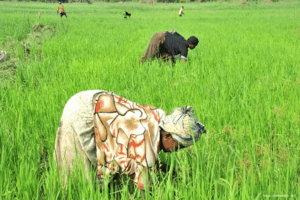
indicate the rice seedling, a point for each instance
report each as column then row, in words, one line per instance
column 242, row 80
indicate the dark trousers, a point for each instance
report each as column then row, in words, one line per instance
column 63, row 13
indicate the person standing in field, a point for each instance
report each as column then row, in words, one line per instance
column 181, row 11
column 101, row 129
column 169, row 46
column 61, row 10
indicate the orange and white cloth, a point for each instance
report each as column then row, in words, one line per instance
column 183, row 126
column 127, row 136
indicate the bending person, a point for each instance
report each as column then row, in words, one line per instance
column 104, row 130
column 169, row 45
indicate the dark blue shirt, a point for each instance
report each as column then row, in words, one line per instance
column 176, row 45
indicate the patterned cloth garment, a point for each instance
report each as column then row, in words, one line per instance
column 75, row 141
column 117, row 135
column 183, row 126
column 127, row 136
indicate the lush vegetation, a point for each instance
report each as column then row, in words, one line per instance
column 243, row 80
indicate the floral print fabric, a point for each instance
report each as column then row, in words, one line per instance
column 127, row 136
column 183, row 125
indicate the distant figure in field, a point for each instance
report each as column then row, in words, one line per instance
column 181, row 11
column 168, row 46
column 125, row 14
column 61, row 10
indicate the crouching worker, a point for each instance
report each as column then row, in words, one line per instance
column 120, row 136
column 169, row 45
column 125, row 14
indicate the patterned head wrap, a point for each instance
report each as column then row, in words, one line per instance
column 182, row 125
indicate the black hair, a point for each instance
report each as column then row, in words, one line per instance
column 193, row 40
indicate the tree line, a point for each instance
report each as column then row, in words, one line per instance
column 142, row 1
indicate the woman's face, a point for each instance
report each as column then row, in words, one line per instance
column 168, row 143
column 191, row 46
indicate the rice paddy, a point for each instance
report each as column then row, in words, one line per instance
column 243, row 80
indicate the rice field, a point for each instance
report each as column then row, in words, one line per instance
column 243, row 80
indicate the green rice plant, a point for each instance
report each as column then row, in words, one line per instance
column 242, row 80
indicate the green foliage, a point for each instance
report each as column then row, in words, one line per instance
column 242, row 79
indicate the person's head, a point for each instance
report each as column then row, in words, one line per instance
column 167, row 143
column 193, row 42
column 59, row 3
column 180, row 129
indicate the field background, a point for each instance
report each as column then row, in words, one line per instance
column 243, row 80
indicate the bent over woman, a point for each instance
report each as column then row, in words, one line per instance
column 120, row 136
column 169, row 46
